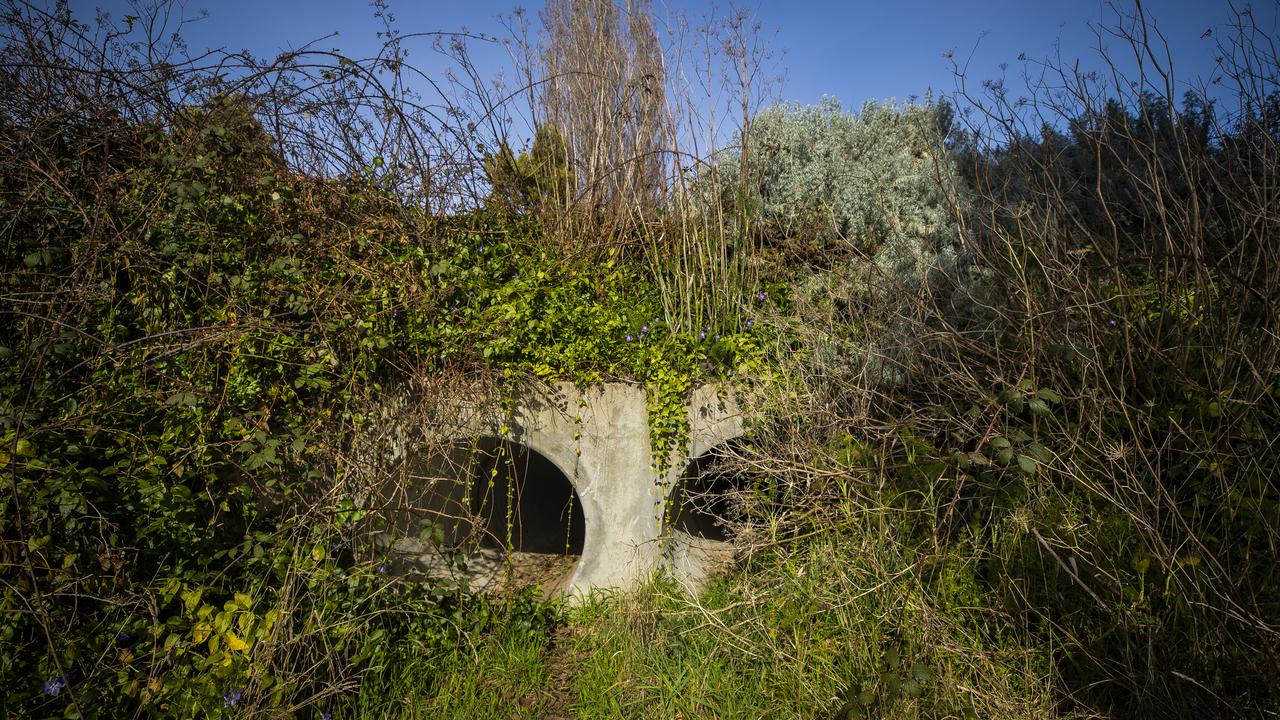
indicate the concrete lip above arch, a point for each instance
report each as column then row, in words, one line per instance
column 598, row 438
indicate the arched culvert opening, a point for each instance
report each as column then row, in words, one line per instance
column 522, row 502
column 701, row 510
column 704, row 503
column 494, row 514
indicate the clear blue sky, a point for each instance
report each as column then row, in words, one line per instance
column 853, row 50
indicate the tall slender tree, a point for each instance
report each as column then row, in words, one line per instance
column 605, row 91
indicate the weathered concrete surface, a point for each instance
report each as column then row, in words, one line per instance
column 692, row 560
column 487, row 569
column 598, row 438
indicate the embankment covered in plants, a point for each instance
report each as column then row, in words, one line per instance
column 1014, row 363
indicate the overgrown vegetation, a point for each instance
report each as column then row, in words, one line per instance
column 1015, row 363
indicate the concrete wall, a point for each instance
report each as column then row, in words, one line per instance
column 598, row 437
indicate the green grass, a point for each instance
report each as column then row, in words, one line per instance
column 501, row 676
column 837, row 627
column 827, row 629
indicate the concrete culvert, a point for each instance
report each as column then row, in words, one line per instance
column 703, row 503
column 523, row 502
column 491, row 513
column 701, row 510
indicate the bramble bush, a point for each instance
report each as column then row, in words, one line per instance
column 1081, row 449
column 189, row 321
column 177, row 389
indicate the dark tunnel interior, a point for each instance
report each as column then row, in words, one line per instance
column 701, row 503
column 524, row 502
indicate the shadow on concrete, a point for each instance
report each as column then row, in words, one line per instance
column 493, row 513
column 702, row 508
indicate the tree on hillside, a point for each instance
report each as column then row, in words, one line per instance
column 536, row 181
column 605, row 89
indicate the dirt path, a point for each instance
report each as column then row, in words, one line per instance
column 561, row 661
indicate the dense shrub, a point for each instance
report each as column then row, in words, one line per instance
column 823, row 181
column 1092, row 441
column 195, row 337
column 189, row 326
column 194, row 334
column 1070, row 474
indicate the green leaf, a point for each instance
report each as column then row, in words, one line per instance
column 892, row 686
column 1039, row 452
column 191, row 599
column 1027, row 464
column 235, row 644
column 1051, row 396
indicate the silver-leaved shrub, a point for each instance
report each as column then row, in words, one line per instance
column 869, row 203
column 878, row 184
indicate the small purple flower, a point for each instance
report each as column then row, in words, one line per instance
column 382, row 568
column 703, row 335
column 233, row 697
column 629, row 338
column 749, row 324
column 326, row 715
column 760, row 296
column 122, row 637
column 644, row 329
column 1113, row 323
column 53, row 686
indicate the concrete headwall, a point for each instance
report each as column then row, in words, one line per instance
column 598, row 438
